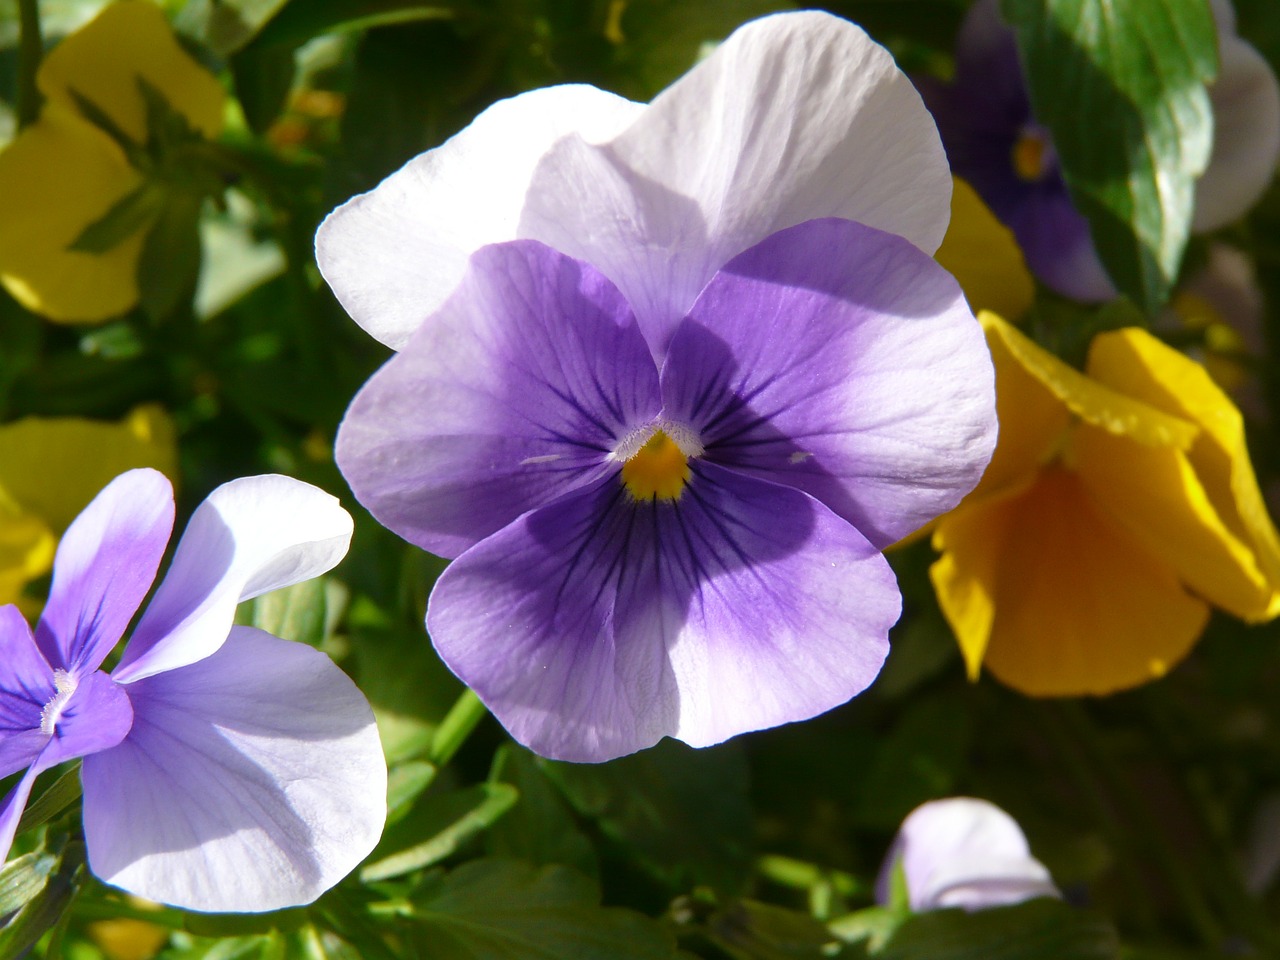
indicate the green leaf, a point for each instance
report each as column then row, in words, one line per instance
column 684, row 813
column 170, row 259
column 300, row 22
column 306, row 612
column 227, row 25
column 1121, row 88
column 749, row 930
column 444, row 822
column 44, row 910
column 507, row 910
column 541, row 828
column 24, row 877
column 1037, row 930
column 134, row 211
column 61, row 793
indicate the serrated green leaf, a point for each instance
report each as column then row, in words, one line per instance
column 443, row 823
column 1121, row 87
column 507, row 910
column 1037, row 930
column 136, row 210
column 684, row 813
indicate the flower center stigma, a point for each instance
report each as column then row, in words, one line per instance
column 1032, row 154
column 64, row 685
column 658, row 467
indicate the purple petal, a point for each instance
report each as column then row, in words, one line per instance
column 26, row 685
column 95, row 717
column 1056, row 242
column 252, row 780
column 841, row 360
column 794, row 117
column 105, row 565
column 963, row 852
column 250, row 536
column 516, row 392
column 597, row 625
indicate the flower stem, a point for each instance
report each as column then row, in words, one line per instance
column 466, row 712
column 30, row 51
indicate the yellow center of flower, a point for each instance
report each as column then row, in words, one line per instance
column 1031, row 155
column 657, row 471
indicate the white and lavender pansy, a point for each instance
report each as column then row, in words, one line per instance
column 224, row 769
column 963, row 852
column 666, row 402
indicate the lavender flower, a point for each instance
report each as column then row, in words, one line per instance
column 224, row 768
column 963, row 852
column 667, row 419
column 994, row 142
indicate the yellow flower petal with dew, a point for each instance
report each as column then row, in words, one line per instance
column 981, row 253
column 103, row 60
column 59, row 176
column 1137, row 363
column 1076, row 604
column 52, row 467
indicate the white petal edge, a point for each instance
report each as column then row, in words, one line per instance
column 250, row 536
column 796, row 116
column 1246, row 135
column 253, row 780
column 392, row 255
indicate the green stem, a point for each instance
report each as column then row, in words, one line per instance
column 454, row 729
column 30, row 51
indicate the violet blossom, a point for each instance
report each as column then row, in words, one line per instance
column 995, row 143
column 224, row 768
column 670, row 378
column 963, row 852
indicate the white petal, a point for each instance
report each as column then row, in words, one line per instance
column 393, row 254
column 794, row 117
column 253, row 780
column 250, row 536
column 1246, row 135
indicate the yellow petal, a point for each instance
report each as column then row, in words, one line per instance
column 26, row 549
column 982, row 254
column 52, row 468
column 103, row 60
column 1091, row 399
column 1137, row 363
column 1154, row 492
column 1071, row 603
column 59, row 176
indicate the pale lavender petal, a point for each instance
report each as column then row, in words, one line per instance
column 1246, row 134
column 95, row 717
column 843, row 361
column 252, row 780
column 515, row 393
column 250, row 536
column 794, row 117
column 26, row 685
column 964, row 852
column 597, row 625
column 106, row 563
column 394, row 254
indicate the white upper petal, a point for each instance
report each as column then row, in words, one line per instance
column 794, row 117
column 1246, row 134
column 250, row 536
column 393, row 254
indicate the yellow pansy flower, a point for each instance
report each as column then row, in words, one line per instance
column 50, row 468
column 981, row 253
column 1119, row 504
column 65, row 172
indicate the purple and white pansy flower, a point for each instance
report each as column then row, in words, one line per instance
column 995, row 143
column 669, row 379
column 963, row 852
column 224, row 769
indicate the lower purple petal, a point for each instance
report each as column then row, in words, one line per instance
column 106, row 563
column 597, row 625
column 26, row 685
column 252, row 780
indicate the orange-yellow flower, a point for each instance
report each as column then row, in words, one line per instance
column 1119, row 505
column 64, row 173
